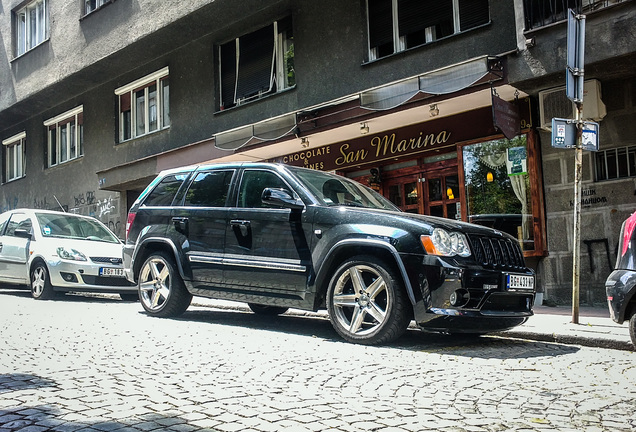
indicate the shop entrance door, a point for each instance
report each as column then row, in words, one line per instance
column 406, row 192
column 430, row 191
column 441, row 193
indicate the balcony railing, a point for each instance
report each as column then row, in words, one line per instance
column 540, row 13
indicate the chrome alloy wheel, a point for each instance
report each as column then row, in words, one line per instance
column 154, row 283
column 361, row 300
column 38, row 281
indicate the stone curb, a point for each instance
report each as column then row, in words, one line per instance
column 593, row 342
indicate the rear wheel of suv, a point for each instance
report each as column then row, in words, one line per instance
column 367, row 303
column 161, row 290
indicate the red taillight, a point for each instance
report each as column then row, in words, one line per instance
column 129, row 222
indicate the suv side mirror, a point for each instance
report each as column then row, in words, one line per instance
column 22, row 233
column 281, row 198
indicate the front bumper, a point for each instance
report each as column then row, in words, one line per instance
column 486, row 302
column 85, row 275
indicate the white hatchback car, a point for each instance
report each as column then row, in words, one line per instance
column 59, row 252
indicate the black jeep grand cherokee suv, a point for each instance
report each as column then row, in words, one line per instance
column 280, row 237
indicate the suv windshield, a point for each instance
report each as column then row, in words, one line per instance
column 67, row 226
column 333, row 190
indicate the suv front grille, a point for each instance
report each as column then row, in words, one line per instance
column 497, row 252
column 106, row 260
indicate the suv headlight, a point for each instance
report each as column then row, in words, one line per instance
column 70, row 254
column 444, row 243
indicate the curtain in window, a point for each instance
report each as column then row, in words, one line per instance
column 473, row 13
column 416, row 15
column 380, row 23
column 256, row 56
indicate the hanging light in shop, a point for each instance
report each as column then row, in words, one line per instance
column 449, row 193
column 489, row 177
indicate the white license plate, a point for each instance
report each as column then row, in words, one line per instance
column 519, row 282
column 112, row 272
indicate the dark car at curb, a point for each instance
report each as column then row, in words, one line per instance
column 620, row 285
column 278, row 237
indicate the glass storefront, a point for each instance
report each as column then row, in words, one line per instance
column 498, row 188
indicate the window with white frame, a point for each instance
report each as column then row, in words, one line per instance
column 31, row 26
column 144, row 105
column 615, row 163
column 65, row 135
column 397, row 25
column 257, row 64
column 91, row 5
column 14, row 156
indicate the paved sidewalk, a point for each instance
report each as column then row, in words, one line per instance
column 549, row 324
column 595, row 328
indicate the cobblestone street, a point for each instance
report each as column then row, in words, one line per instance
column 100, row 364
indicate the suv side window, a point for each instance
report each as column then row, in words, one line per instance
column 252, row 186
column 165, row 191
column 209, row 189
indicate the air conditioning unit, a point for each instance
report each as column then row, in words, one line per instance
column 554, row 103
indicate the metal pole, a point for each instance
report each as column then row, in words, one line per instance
column 576, row 242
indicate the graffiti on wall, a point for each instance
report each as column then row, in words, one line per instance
column 105, row 208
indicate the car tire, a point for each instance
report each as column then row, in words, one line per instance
column 632, row 328
column 367, row 302
column 161, row 289
column 267, row 310
column 41, row 288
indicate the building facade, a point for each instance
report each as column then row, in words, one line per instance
column 441, row 106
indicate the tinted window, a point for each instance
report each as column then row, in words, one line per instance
column 209, row 189
column 164, row 192
column 252, row 187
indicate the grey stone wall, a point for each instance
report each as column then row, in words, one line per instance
column 605, row 205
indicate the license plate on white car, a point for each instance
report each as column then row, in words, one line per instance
column 111, row 272
column 516, row 282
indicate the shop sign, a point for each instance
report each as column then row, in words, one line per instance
column 506, row 117
column 395, row 144
column 517, row 161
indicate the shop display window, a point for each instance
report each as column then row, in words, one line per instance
column 498, row 187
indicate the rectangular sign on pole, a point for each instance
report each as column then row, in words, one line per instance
column 575, row 53
column 564, row 134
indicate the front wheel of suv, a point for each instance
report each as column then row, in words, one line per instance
column 367, row 303
column 161, row 290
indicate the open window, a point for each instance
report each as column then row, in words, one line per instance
column 257, row 64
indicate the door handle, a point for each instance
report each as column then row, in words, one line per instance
column 243, row 225
column 0, row 247
column 180, row 224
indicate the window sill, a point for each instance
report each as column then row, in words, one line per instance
column 424, row 45
column 65, row 163
column 142, row 136
column 30, row 50
column 264, row 97
column 14, row 179
column 88, row 14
